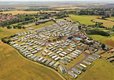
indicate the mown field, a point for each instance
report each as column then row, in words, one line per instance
column 84, row 19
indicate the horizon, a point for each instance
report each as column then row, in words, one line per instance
column 106, row 1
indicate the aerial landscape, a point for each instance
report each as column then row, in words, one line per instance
column 56, row 40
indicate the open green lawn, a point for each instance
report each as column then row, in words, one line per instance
column 15, row 67
column 101, row 70
column 84, row 19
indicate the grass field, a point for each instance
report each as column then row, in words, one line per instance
column 15, row 67
column 4, row 32
column 43, row 25
column 84, row 19
column 100, row 70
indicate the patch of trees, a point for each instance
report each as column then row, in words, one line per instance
column 38, row 9
column 62, row 14
column 20, row 19
column 95, row 11
column 98, row 32
column 99, row 25
column 6, row 40
column 44, row 16
column 112, row 28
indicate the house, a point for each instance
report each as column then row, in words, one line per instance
column 72, row 74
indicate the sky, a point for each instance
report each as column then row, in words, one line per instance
column 64, row 0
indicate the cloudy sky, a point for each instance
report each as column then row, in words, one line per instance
column 64, row 0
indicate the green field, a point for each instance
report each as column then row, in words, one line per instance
column 83, row 19
column 100, row 70
column 86, row 19
column 4, row 32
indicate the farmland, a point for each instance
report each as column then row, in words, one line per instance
column 15, row 12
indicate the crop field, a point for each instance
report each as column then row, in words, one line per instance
column 14, row 67
column 100, row 70
column 83, row 19
column 22, row 12
column 19, row 12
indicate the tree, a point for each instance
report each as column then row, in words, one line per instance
column 98, row 24
column 9, row 27
column 113, row 28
